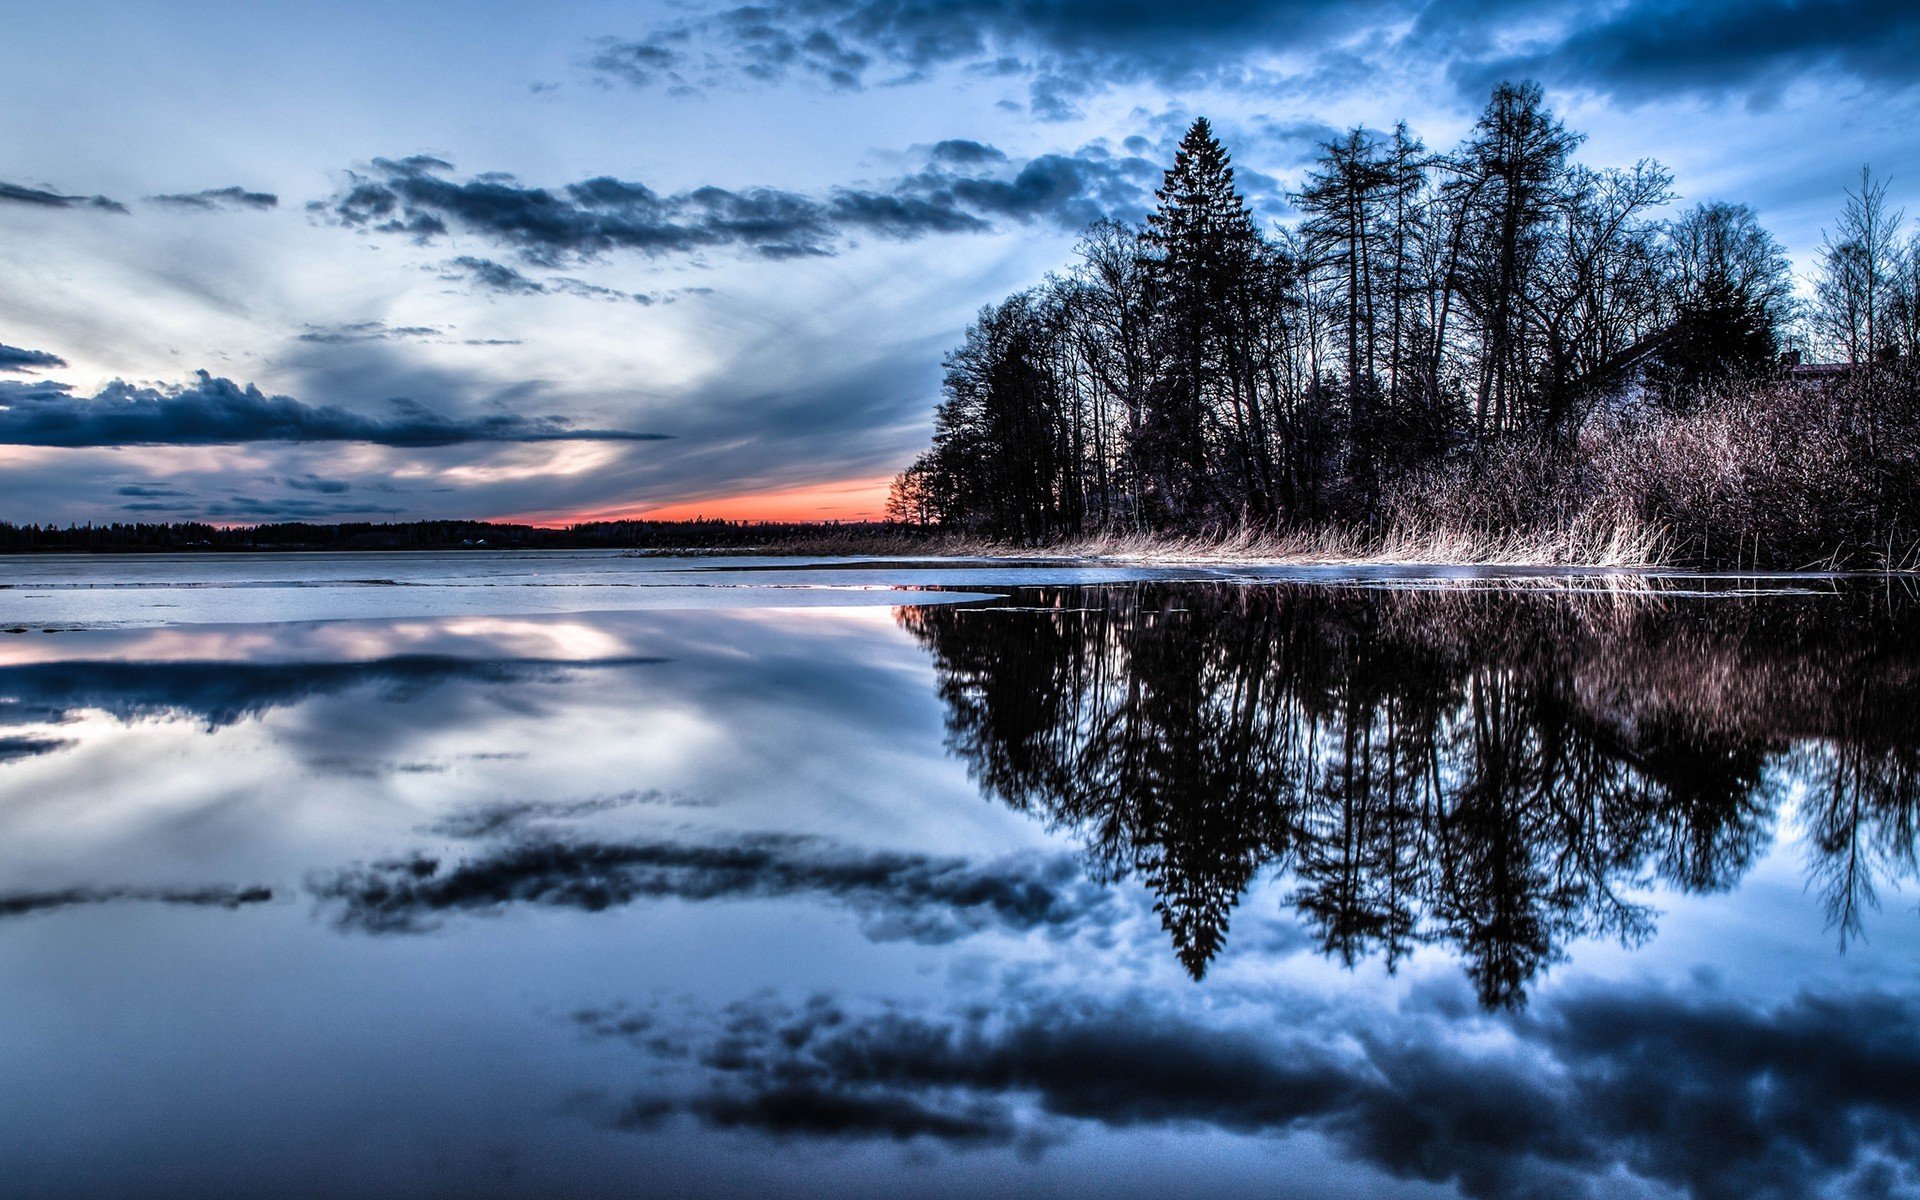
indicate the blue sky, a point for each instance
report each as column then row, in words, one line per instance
column 558, row 260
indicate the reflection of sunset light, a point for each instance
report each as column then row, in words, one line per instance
column 539, row 639
column 532, row 637
column 836, row 500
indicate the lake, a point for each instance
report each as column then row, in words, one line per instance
column 558, row 875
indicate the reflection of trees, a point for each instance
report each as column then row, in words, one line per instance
column 1498, row 772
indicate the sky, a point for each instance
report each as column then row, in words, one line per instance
column 574, row 261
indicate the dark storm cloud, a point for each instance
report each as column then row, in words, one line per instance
column 418, row 197
column 1066, row 49
column 216, row 412
column 149, row 491
column 46, row 199
column 1659, row 47
column 896, row 895
column 1071, row 49
column 218, row 694
column 1602, row 1092
column 217, row 198
column 13, row 358
column 20, row 904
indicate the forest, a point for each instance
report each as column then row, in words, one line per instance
column 1486, row 343
column 702, row 534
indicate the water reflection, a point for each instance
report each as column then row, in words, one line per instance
column 1622, row 1091
column 1500, row 772
column 738, row 922
column 931, row 899
column 220, row 693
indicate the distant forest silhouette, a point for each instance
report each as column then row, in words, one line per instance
column 789, row 536
column 1486, row 340
column 1496, row 772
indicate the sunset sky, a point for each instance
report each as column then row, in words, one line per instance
column 575, row 260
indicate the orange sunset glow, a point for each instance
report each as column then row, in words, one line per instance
column 837, row 500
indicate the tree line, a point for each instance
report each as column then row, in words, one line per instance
column 1427, row 314
column 695, row 534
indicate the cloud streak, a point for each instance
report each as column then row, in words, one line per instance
column 210, row 199
column 13, row 358
column 42, row 198
column 896, row 895
column 419, row 197
column 20, row 904
column 215, row 412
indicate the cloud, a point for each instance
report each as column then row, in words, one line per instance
column 367, row 331
column 255, row 508
column 1652, row 48
column 515, row 817
column 15, row 747
column 897, row 895
column 20, row 904
column 215, row 412
column 1068, row 51
column 1607, row 1091
column 315, row 483
column 418, row 197
column 493, row 276
column 13, row 358
column 1065, row 50
column 218, row 198
column 1070, row 190
column 47, row 199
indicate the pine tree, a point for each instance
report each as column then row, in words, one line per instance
column 1207, row 245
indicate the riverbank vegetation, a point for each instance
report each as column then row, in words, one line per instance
column 1457, row 356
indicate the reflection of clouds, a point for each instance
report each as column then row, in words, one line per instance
column 537, row 637
column 1628, row 1092
column 510, row 816
column 222, row 693
column 18, row 904
column 916, row 897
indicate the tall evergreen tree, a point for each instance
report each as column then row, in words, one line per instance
column 1205, row 245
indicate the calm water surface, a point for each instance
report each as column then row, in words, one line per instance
column 581, row 875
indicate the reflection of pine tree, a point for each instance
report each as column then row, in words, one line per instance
column 1495, row 773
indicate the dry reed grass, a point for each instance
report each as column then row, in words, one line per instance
column 1617, row 545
